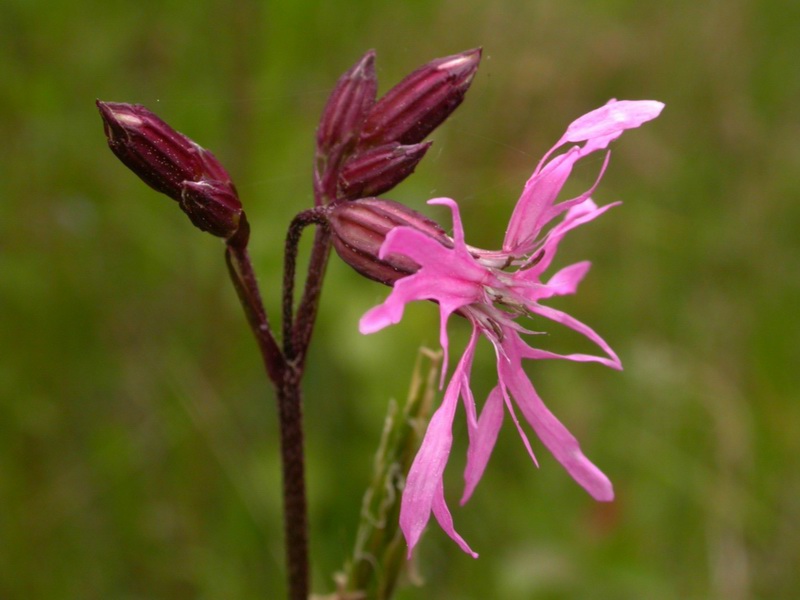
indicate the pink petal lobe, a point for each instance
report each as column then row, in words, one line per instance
column 445, row 519
column 565, row 281
column 561, row 443
column 510, row 406
column 405, row 290
column 482, row 441
column 458, row 227
column 556, row 209
column 578, row 215
column 414, row 244
column 451, row 278
column 573, row 323
column 611, row 120
column 465, row 374
column 539, row 194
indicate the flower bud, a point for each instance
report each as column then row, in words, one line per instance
column 212, row 206
column 378, row 170
column 162, row 157
column 359, row 229
column 174, row 165
column 348, row 106
column 420, row 102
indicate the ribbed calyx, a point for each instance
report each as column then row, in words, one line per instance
column 360, row 228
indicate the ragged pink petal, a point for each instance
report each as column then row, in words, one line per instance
column 428, row 466
column 536, row 354
column 425, row 475
column 598, row 129
column 391, row 311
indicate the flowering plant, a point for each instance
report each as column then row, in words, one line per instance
column 364, row 147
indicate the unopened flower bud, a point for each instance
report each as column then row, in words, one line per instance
column 348, row 106
column 420, row 102
column 378, row 170
column 212, row 206
column 162, row 157
column 359, row 229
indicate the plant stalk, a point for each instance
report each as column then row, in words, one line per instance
column 286, row 377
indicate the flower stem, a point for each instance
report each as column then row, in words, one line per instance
column 297, row 330
column 307, row 310
column 244, row 280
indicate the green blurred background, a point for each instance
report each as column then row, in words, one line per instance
column 138, row 443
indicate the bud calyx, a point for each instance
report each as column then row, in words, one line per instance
column 359, row 229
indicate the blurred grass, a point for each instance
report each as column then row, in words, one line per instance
column 137, row 442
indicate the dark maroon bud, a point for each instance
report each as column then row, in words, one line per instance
column 359, row 229
column 212, row 206
column 162, row 157
column 420, row 102
column 347, row 107
column 378, row 170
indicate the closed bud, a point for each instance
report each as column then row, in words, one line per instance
column 420, row 102
column 162, row 157
column 378, row 170
column 212, row 206
column 360, row 228
column 348, row 106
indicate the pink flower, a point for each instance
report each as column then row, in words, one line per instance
column 493, row 290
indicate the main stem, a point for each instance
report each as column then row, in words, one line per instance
column 290, row 411
column 286, row 377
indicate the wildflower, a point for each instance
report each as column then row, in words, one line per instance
column 493, row 290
